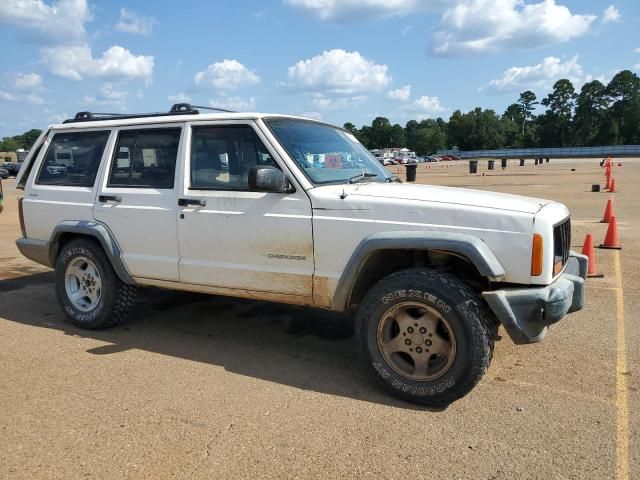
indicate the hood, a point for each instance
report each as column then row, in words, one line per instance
column 438, row 194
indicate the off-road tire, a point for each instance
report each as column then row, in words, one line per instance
column 463, row 310
column 116, row 299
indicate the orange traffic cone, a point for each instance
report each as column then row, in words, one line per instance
column 611, row 239
column 612, row 187
column 608, row 212
column 607, row 185
column 589, row 251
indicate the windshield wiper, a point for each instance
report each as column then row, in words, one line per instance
column 362, row 176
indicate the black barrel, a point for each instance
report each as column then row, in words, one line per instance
column 491, row 164
column 536, row 161
column 547, row 159
column 504, row 163
column 411, row 171
column 595, row 187
column 522, row 162
column 473, row 166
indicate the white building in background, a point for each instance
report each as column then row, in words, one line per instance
column 22, row 154
column 393, row 152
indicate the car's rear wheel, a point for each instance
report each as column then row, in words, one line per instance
column 425, row 335
column 91, row 294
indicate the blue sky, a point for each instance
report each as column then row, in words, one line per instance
column 339, row 60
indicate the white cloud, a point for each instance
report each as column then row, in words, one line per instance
column 401, row 94
column 61, row 22
column 611, row 15
column 226, row 75
column 338, row 72
column 31, row 98
column 425, row 107
column 539, row 76
column 27, row 81
column 77, row 62
column 110, row 94
column 131, row 22
column 179, row 98
column 237, row 104
column 6, row 96
column 328, row 103
column 312, row 115
column 483, row 26
column 355, row 10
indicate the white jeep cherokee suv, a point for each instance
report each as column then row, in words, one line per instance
column 275, row 207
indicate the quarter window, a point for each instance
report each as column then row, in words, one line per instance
column 221, row 157
column 73, row 159
column 145, row 158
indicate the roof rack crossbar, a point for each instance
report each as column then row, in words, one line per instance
column 176, row 109
column 214, row 108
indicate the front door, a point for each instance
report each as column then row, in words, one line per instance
column 137, row 200
column 234, row 238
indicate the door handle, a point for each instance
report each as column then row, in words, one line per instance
column 185, row 202
column 109, row 198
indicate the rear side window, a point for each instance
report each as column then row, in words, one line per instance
column 73, row 159
column 145, row 158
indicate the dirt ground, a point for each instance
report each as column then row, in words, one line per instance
column 204, row 387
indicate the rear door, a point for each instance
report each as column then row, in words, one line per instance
column 137, row 199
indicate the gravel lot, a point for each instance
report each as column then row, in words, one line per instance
column 206, row 387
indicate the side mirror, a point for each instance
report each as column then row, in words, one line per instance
column 269, row 179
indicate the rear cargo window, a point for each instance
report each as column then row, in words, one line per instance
column 145, row 158
column 73, row 159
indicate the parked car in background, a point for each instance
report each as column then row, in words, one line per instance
column 1, row 197
column 388, row 161
column 12, row 167
column 4, row 173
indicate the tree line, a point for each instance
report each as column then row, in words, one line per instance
column 11, row 144
column 597, row 115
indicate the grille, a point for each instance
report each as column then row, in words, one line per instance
column 561, row 245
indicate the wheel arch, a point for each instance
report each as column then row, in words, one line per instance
column 381, row 254
column 71, row 229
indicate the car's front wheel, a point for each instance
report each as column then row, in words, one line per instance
column 89, row 291
column 425, row 335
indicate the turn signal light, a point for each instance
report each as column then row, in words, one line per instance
column 536, row 255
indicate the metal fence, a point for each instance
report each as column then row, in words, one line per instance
column 563, row 152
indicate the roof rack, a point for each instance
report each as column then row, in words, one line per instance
column 176, row 109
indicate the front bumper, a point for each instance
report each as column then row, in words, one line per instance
column 526, row 313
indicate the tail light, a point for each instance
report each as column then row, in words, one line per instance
column 536, row 255
column 21, row 215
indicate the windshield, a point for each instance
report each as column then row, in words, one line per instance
column 327, row 154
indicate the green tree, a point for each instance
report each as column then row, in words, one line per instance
column 527, row 102
column 556, row 123
column 591, row 106
column 381, row 133
column 624, row 93
column 512, row 120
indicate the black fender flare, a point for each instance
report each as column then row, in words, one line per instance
column 98, row 231
column 467, row 246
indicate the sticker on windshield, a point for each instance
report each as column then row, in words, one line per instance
column 332, row 161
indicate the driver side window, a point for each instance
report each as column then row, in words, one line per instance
column 221, row 157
